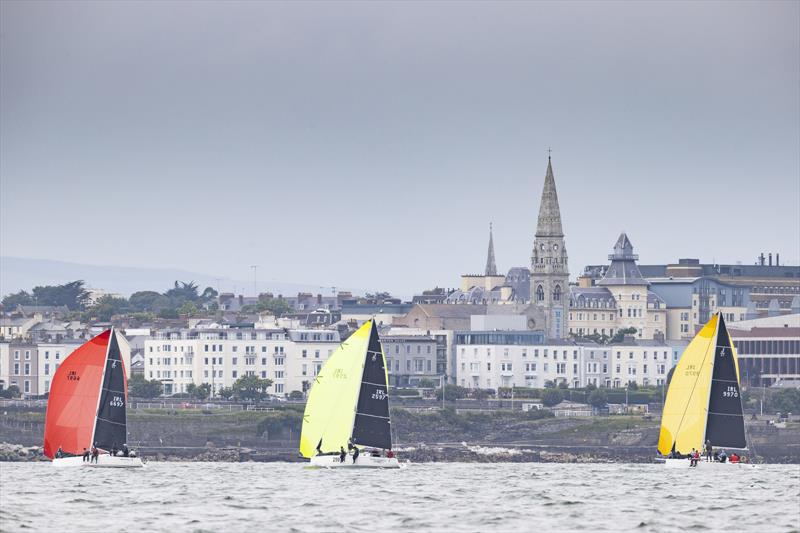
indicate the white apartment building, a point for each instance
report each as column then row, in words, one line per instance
column 524, row 359
column 220, row 356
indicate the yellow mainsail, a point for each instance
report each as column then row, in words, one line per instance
column 683, row 422
column 331, row 406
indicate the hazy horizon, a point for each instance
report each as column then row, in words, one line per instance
column 371, row 144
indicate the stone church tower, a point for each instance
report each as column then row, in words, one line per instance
column 549, row 271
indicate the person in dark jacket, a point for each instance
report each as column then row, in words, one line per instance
column 355, row 454
column 342, row 454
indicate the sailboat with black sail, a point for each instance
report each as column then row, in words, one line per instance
column 86, row 408
column 346, row 422
column 704, row 401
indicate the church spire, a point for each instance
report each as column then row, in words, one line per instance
column 491, row 268
column 549, row 224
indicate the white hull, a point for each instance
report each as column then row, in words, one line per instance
column 103, row 461
column 363, row 461
column 702, row 463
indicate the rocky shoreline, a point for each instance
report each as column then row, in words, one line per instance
column 417, row 454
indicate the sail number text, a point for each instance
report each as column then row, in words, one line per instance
column 730, row 392
column 379, row 394
column 116, row 401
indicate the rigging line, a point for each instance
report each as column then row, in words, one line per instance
column 373, row 416
column 375, row 384
column 111, row 421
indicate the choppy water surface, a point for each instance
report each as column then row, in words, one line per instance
column 435, row 497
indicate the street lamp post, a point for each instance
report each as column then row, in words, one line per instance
column 441, row 378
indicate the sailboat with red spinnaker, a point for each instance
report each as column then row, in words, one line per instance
column 86, row 408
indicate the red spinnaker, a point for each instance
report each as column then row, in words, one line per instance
column 74, row 393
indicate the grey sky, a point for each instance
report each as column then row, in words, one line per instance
column 370, row 144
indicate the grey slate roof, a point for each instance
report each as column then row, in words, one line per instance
column 623, row 269
column 580, row 297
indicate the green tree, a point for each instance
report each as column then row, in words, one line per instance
column 598, row 398
column 226, row 393
column 11, row 301
column 10, row 392
column 251, row 388
column 619, row 336
column 72, row 294
column 426, row 383
column 148, row 301
column 139, row 387
column 481, row 394
column 549, row 384
column 452, row 392
column 295, row 395
column 786, row 401
column 182, row 292
column 188, row 308
column 563, row 385
column 274, row 306
column 168, row 312
column 551, row 397
column 106, row 307
column 590, row 387
column 632, row 385
column 201, row 392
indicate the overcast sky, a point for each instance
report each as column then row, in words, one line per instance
column 370, row 144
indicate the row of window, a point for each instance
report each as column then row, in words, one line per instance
column 545, row 353
column 412, row 365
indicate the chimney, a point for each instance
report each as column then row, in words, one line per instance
column 770, row 259
column 761, row 259
column 777, row 259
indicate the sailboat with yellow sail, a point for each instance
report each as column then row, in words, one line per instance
column 704, row 401
column 346, row 422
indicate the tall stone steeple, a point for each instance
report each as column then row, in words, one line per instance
column 549, row 224
column 549, row 270
column 491, row 267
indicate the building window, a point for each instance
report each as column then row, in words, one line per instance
column 557, row 293
column 540, row 293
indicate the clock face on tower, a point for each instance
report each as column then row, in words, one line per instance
column 541, row 247
column 555, row 246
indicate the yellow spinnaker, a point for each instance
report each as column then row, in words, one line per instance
column 683, row 422
column 331, row 405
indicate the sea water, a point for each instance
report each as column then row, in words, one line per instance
column 516, row 497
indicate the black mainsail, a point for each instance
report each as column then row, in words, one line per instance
column 725, row 425
column 372, row 424
column 111, row 425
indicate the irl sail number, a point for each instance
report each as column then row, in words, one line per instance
column 116, row 401
column 730, row 392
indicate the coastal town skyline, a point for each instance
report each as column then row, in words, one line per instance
column 217, row 167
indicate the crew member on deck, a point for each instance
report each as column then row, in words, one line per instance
column 86, row 455
column 355, row 454
column 342, row 454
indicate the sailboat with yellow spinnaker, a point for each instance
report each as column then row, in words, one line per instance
column 704, row 401
column 348, row 405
